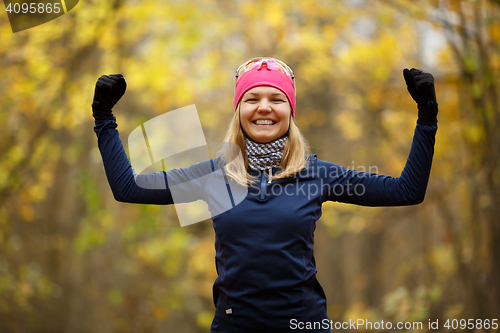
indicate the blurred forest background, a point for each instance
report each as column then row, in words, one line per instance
column 72, row 259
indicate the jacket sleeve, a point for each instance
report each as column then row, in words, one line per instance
column 152, row 188
column 371, row 189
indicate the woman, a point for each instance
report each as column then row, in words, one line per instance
column 264, row 244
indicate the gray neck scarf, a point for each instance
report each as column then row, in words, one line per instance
column 263, row 156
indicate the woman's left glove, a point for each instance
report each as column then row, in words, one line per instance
column 421, row 88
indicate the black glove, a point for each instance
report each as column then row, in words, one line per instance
column 421, row 88
column 108, row 91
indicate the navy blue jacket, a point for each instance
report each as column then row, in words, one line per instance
column 264, row 245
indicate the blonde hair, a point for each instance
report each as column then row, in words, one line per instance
column 295, row 153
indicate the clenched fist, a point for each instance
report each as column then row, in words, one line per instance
column 421, row 88
column 108, row 91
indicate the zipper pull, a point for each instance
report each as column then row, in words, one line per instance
column 270, row 175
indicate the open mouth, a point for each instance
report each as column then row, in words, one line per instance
column 264, row 122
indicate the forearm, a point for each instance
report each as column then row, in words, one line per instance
column 407, row 189
column 415, row 175
column 119, row 171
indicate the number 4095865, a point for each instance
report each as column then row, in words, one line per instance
column 471, row 324
column 33, row 7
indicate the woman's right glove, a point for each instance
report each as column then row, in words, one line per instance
column 421, row 88
column 108, row 91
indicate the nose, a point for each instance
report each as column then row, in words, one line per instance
column 264, row 105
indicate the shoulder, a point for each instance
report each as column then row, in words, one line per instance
column 195, row 170
column 320, row 168
column 313, row 162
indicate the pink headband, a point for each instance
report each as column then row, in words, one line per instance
column 265, row 77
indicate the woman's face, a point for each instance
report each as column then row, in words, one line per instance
column 265, row 113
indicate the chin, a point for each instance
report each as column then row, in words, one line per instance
column 263, row 139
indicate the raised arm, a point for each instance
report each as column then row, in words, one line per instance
column 125, row 183
column 370, row 189
column 121, row 176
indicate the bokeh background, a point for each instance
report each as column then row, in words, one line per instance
column 72, row 259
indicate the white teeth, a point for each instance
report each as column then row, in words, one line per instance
column 264, row 122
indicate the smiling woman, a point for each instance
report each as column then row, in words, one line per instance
column 264, row 93
column 264, row 243
column 265, row 113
